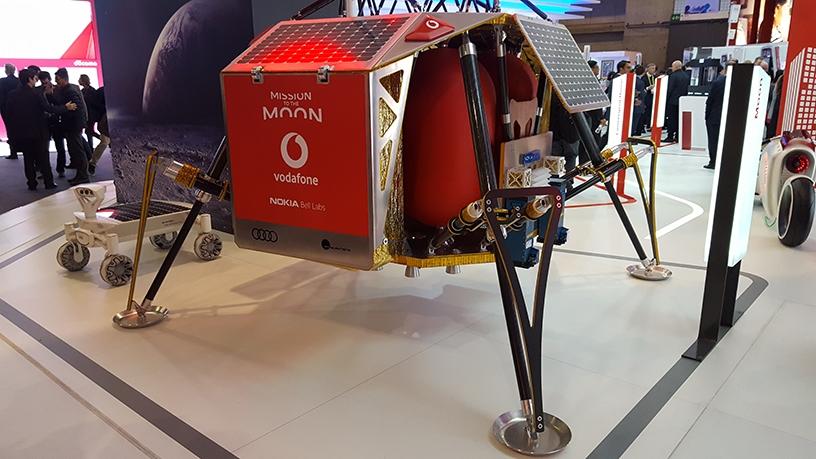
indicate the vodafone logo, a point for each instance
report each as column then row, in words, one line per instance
column 293, row 178
column 432, row 24
column 303, row 156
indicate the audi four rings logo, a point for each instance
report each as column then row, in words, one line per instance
column 264, row 235
column 304, row 150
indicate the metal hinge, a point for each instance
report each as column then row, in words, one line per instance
column 257, row 75
column 323, row 74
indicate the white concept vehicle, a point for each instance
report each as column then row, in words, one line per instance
column 107, row 227
column 786, row 186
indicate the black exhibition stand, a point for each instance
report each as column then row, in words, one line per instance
column 720, row 294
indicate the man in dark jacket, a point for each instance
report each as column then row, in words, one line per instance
column 713, row 117
column 679, row 82
column 565, row 136
column 46, row 88
column 594, row 118
column 649, row 80
column 104, row 134
column 91, row 97
column 8, row 84
column 639, row 110
column 73, row 123
column 28, row 128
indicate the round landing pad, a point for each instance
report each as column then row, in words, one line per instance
column 510, row 429
column 655, row 273
column 132, row 319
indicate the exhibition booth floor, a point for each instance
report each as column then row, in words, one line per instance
column 271, row 357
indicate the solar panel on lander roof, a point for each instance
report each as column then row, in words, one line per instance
column 564, row 64
column 307, row 42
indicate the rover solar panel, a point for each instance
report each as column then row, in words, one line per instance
column 132, row 211
column 564, row 64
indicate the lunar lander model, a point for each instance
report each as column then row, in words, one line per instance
column 363, row 141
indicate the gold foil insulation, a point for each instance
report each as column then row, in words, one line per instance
column 385, row 117
column 381, row 256
column 395, row 217
column 187, row 175
column 446, row 260
column 393, row 84
column 385, row 162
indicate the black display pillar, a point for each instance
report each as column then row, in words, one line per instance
column 742, row 110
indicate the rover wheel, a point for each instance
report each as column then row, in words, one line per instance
column 116, row 270
column 208, row 246
column 796, row 207
column 164, row 241
column 73, row 256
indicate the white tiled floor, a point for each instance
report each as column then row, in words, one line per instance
column 717, row 434
column 41, row 419
column 278, row 358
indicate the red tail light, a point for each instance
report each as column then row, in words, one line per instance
column 797, row 163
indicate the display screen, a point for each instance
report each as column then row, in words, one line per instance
column 50, row 35
column 620, row 114
column 749, row 168
column 687, row 7
column 554, row 9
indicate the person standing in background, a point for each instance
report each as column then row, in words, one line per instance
column 73, row 124
column 713, row 117
column 679, row 82
column 28, row 128
column 624, row 67
column 54, row 122
column 650, row 80
column 565, row 136
column 639, row 110
column 35, row 71
column 104, row 134
column 42, row 93
column 7, row 84
column 771, row 130
column 90, row 97
column 594, row 117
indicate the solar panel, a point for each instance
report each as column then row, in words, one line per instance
column 357, row 40
column 132, row 211
column 565, row 66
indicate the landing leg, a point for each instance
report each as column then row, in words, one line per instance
column 146, row 314
column 529, row 431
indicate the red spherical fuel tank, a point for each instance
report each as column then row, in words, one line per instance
column 522, row 83
column 439, row 163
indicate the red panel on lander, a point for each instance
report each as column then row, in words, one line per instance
column 314, row 113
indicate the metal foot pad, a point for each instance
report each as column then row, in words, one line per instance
column 133, row 319
column 510, row 429
column 652, row 273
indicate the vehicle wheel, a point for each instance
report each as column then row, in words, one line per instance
column 73, row 256
column 796, row 207
column 116, row 270
column 164, row 241
column 208, row 246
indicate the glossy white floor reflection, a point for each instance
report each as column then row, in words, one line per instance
column 279, row 358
